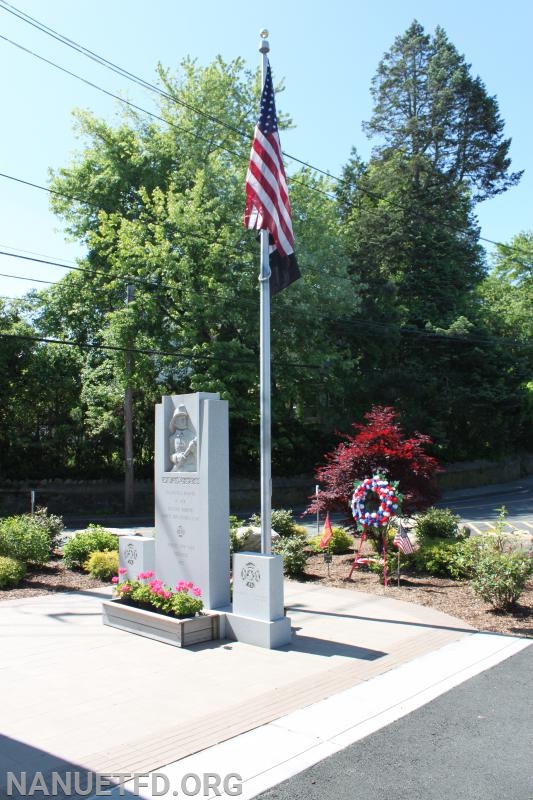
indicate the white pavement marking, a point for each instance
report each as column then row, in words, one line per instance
column 272, row 753
column 479, row 531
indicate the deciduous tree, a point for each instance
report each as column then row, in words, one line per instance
column 159, row 205
column 379, row 445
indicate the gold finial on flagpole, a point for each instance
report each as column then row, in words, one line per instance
column 265, row 47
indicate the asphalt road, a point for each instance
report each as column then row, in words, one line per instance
column 480, row 507
column 473, row 743
column 477, row 507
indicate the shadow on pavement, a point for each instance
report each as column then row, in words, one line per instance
column 26, row 771
column 329, row 647
column 432, row 626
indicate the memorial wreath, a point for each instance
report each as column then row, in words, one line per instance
column 388, row 502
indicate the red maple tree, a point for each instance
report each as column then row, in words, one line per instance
column 379, row 445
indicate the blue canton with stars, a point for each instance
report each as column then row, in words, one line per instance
column 268, row 122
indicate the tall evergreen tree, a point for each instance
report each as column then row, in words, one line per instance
column 420, row 341
column 428, row 105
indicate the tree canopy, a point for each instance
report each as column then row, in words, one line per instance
column 378, row 446
column 427, row 105
column 159, row 206
column 396, row 306
column 421, row 340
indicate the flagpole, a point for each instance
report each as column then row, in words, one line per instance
column 264, row 363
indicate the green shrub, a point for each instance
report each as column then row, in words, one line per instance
column 78, row 549
column 235, row 522
column 299, row 530
column 467, row 554
column 437, row 523
column 281, row 521
column 25, row 539
column 102, row 564
column 501, row 535
column 341, row 542
column 234, row 542
column 500, row 578
column 377, row 565
column 53, row 526
column 437, row 559
column 293, row 550
column 12, row 572
column 457, row 560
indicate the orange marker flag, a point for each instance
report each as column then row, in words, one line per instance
column 327, row 532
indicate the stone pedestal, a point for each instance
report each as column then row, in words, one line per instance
column 191, row 484
column 192, row 494
column 136, row 554
column 257, row 615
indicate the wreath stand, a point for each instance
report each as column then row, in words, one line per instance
column 358, row 560
column 388, row 503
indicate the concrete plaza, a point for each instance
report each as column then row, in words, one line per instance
column 77, row 695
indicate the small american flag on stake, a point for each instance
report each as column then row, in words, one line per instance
column 267, row 196
column 402, row 540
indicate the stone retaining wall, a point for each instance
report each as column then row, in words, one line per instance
column 470, row 474
column 106, row 498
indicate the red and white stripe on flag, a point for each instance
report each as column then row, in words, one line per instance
column 267, row 197
column 402, row 541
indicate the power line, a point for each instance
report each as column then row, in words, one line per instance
column 38, row 260
column 135, row 107
column 33, row 253
column 188, row 357
column 344, row 323
column 217, row 120
column 146, row 84
column 107, row 92
column 151, row 285
column 153, row 88
column 351, row 322
column 20, row 278
column 143, row 82
column 203, row 239
column 87, row 270
column 435, row 336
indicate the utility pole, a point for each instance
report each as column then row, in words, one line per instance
column 128, row 421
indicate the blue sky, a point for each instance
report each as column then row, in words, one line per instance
column 326, row 53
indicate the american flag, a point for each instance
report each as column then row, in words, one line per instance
column 402, row 541
column 267, row 197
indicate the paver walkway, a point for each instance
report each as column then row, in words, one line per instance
column 77, row 694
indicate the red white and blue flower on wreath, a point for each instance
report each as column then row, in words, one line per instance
column 388, row 502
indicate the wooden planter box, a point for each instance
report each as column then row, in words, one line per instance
column 177, row 632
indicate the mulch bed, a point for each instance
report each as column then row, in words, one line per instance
column 452, row 597
column 51, row 578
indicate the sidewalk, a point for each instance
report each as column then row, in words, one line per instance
column 76, row 695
